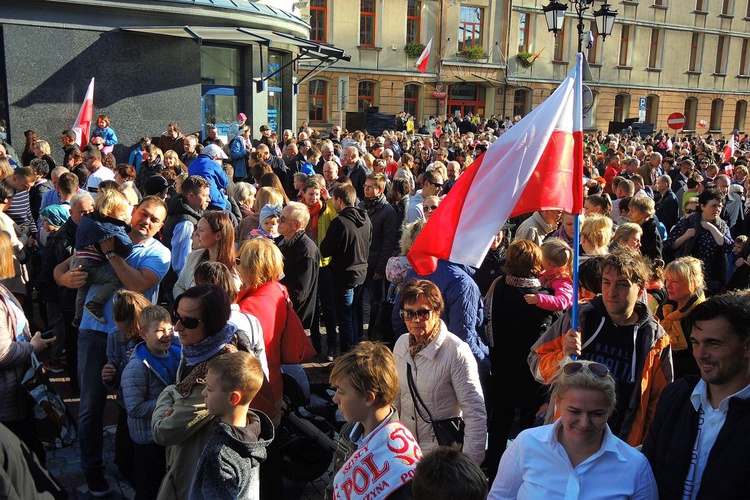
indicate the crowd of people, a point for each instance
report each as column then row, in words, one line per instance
column 166, row 281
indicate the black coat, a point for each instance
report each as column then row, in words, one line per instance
column 669, row 444
column 651, row 244
column 347, row 242
column 301, row 266
column 384, row 234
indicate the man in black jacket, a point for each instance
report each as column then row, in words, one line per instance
column 384, row 243
column 699, row 442
column 347, row 242
column 301, row 260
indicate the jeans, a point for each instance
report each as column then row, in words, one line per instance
column 324, row 304
column 56, row 322
column 343, row 301
column 92, row 356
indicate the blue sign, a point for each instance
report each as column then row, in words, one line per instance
column 641, row 103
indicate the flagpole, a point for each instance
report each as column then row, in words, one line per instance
column 578, row 110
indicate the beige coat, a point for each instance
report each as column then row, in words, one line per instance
column 447, row 380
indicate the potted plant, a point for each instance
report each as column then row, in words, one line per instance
column 413, row 49
column 474, row 53
column 525, row 59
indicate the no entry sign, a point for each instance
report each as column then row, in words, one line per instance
column 676, row 121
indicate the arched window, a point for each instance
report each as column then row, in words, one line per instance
column 691, row 111
column 717, row 112
column 365, row 96
column 652, row 109
column 411, row 99
column 521, row 102
column 622, row 106
column 740, row 111
column 318, row 101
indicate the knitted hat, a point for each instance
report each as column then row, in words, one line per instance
column 269, row 211
column 56, row 215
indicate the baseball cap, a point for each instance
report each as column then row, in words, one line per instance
column 214, row 151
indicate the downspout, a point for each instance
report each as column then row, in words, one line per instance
column 507, row 58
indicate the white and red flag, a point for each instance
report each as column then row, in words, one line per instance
column 728, row 149
column 82, row 125
column 424, row 57
column 536, row 165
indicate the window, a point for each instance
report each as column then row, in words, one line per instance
column 367, row 23
column 740, row 111
column 717, row 110
column 521, row 102
column 624, row 45
column 365, row 96
column 317, row 101
column 727, row 8
column 593, row 54
column 722, row 51
column 654, row 61
column 413, row 20
column 652, row 109
column 558, row 51
column 661, row 3
column 411, row 100
column 622, row 106
column 744, row 63
column 696, row 53
column 524, row 22
column 700, row 5
column 319, row 21
column 691, row 111
column 747, row 10
column 470, row 27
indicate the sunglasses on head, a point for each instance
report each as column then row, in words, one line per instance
column 409, row 315
column 187, row 321
column 597, row 369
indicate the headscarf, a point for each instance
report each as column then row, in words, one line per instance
column 269, row 211
column 56, row 215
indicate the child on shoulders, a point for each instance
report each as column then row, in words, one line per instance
column 557, row 260
column 269, row 223
column 229, row 464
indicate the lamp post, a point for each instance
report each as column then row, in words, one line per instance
column 554, row 14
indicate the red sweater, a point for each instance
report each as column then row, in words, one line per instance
column 267, row 303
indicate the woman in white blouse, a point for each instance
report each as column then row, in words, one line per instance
column 577, row 456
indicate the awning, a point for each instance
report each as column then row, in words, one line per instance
column 309, row 51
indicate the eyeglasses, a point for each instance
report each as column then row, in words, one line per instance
column 438, row 185
column 597, row 369
column 430, row 208
column 187, row 321
column 409, row 315
column 689, row 211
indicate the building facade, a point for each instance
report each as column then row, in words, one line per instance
column 154, row 61
column 459, row 77
column 685, row 56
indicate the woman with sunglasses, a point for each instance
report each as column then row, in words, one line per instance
column 577, row 456
column 430, row 205
column 442, row 370
column 705, row 236
column 200, row 317
column 213, row 240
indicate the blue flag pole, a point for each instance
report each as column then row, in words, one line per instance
column 578, row 120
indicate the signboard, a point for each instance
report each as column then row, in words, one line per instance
column 439, row 95
column 641, row 109
column 676, row 121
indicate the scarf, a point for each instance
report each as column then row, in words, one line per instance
column 383, row 462
column 672, row 321
column 522, row 282
column 417, row 345
column 312, row 227
column 210, row 346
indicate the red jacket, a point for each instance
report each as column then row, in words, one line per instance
column 267, row 303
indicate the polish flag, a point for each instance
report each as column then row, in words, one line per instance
column 82, row 125
column 536, row 165
column 422, row 61
column 728, row 149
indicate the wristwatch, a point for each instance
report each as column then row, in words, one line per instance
column 110, row 255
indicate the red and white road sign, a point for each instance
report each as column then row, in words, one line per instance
column 676, row 121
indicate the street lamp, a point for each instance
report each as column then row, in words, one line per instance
column 554, row 14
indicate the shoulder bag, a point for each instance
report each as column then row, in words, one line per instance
column 296, row 346
column 449, row 431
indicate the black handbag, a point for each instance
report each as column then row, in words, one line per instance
column 449, row 431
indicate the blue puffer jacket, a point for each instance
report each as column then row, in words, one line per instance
column 463, row 313
column 211, row 171
column 106, row 133
column 239, row 155
column 94, row 229
column 141, row 385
